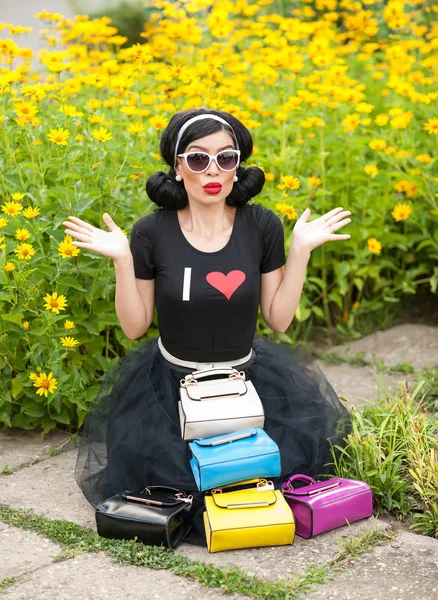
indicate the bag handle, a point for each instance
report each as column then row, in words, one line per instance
column 287, row 485
column 180, row 496
column 193, row 378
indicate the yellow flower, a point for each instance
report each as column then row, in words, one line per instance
column 25, row 109
column 424, row 158
column 129, row 110
column 45, row 384
column 24, row 251
column 79, row 137
column 356, row 304
column 363, row 107
column 9, row 266
column 2, row 243
column 431, row 126
column 68, row 325
column 66, row 248
column 255, row 150
column 54, row 302
column 33, row 376
column 156, row 155
column 93, row 103
column 17, row 196
column 69, row 342
column 374, row 246
column 290, row 182
column 269, row 176
column 314, row 181
column 407, row 187
column 371, row 170
column 30, row 212
column 286, row 209
column 377, row 144
column 3, row 222
column 136, row 127
column 382, row 119
column 158, row 122
column 12, row 208
column 58, row 136
column 102, row 134
column 25, row 325
column 22, row 235
column 401, row 212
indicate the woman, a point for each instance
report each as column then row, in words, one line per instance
column 206, row 259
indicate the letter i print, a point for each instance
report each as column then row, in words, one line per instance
column 186, row 283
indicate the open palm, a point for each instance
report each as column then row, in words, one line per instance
column 113, row 244
column 309, row 235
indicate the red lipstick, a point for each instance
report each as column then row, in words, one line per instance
column 213, row 188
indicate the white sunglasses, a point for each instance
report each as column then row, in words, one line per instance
column 198, row 162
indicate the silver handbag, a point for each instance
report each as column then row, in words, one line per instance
column 217, row 406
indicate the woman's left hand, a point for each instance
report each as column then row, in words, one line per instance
column 307, row 236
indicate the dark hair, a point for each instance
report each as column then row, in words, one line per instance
column 165, row 191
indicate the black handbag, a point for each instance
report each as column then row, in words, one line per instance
column 156, row 516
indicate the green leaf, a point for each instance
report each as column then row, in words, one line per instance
column 32, row 408
column 5, row 418
column 17, row 386
column 17, row 318
column 70, row 282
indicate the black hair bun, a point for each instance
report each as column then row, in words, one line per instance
column 250, row 183
column 166, row 192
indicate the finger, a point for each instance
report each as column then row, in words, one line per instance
column 340, row 236
column 336, row 226
column 336, row 218
column 75, row 227
column 83, row 245
column 109, row 222
column 331, row 213
column 81, row 222
column 304, row 217
column 85, row 237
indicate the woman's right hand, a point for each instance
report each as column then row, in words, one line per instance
column 113, row 244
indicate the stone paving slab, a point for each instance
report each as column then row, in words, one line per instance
column 97, row 577
column 283, row 562
column 19, row 447
column 413, row 343
column 362, row 385
column 49, row 489
column 407, row 569
column 23, row 551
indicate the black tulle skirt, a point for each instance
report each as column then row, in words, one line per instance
column 131, row 436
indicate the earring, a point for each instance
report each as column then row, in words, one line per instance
column 178, row 178
column 235, row 178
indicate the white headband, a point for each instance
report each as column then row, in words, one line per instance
column 198, row 118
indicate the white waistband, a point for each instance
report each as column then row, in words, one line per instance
column 197, row 365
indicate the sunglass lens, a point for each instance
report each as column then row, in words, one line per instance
column 197, row 161
column 227, row 160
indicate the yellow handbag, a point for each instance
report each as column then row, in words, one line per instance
column 253, row 515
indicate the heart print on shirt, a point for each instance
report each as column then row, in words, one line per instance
column 226, row 284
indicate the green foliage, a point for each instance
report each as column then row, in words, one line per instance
column 393, row 446
column 348, row 287
column 76, row 539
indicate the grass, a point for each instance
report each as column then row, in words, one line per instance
column 76, row 539
column 393, row 446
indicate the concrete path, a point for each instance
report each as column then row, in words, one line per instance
column 402, row 566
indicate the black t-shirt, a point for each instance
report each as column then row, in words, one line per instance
column 207, row 302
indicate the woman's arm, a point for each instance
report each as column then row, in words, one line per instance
column 281, row 289
column 134, row 301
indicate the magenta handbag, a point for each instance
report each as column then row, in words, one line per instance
column 324, row 505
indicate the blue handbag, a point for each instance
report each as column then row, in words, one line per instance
column 234, row 457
